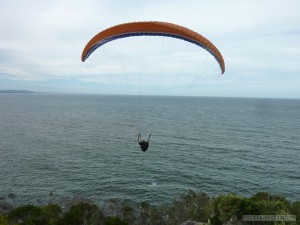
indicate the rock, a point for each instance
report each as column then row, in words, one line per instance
column 12, row 195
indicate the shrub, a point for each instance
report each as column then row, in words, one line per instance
column 114, row 221
column 51, row 214
column 82, row 213
column 26, row 215
column 295, row 210
column 4, row 220
column 267, row 204
column 191, row 206
column 227, row 207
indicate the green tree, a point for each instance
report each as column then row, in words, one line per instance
column 82, row 213
column 4, row 220
column 26, row 215
column 145, row 212
column 51, row 214
column 226, row 207
column 128, row 214
column 191, row 206
column 114, row 221
column 295, row 210
column 267, row 204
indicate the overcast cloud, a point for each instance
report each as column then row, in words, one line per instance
column 41, row 44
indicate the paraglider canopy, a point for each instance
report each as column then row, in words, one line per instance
column 152, row 28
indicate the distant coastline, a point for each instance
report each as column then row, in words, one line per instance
column 16, row 91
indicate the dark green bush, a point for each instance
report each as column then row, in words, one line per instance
column 227, row 207
column 29, row 214
column 51, row 214
column 114, row 221
column 266, row 204
column 191, row 206
column 194, row 206
column 295, row 210
column 4, row 220
column 82, row 213
column 26, row 215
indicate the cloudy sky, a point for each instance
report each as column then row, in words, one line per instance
column 41, row 44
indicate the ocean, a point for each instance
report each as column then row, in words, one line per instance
column 57, row 146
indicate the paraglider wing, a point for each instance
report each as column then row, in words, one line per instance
column 152, row 28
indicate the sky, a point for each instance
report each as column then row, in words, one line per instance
column 41, row 44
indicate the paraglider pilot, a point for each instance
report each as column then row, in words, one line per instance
column 143, row 144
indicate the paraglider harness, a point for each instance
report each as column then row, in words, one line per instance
column 143, row 144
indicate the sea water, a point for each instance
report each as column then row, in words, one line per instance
column 56, row 146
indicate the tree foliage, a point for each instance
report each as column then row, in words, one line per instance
column 191, row 206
